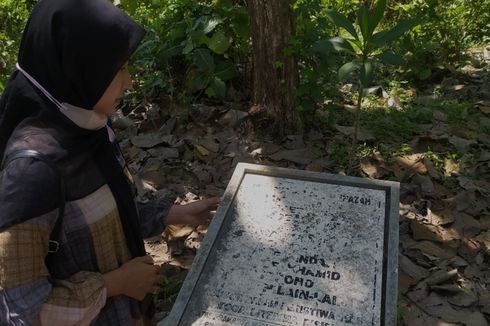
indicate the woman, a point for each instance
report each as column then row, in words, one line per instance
column 71, row 248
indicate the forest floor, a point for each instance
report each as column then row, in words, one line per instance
column 435, row 142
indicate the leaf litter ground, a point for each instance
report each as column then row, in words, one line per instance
column 438, row 148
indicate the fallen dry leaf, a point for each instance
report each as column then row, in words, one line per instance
column 461, row 201
column 446, row 289
column 419, row 293
column 152, row 139
column 485, row 222
column 194, row 240
column 293, row 142
column 434, row 250
column 210, row 143
column 362, row 135
column 411, row 269
column 374, row 166
column 314, row 167
column 431, row 169
column 477, row 185
column 425, row 184
column 461, row 144
column 174, row 232
column 266, row 149
column 441, row 217
column 484, row 106
column 413, row 162
column 184, row 262
column 458, row 262
column 299, row 156
column 438, row 307
column 451, row 167
column 466, row 225
column 434, row 233
column 469, row 248
column 417, row 317
column 405, row 282
column 202, row 150
column 164, row 152
column 439, row 277
column 463, row 299
column 484, row 240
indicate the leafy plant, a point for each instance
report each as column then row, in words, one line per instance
column 450, row 28
column 191, row 47
column 367, row 46
column 13, row 17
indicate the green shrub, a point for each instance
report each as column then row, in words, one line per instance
column 450, row 28
column 13, row 17
column 192, row 48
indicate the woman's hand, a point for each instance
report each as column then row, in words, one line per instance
column 135, row 279
column 196, row 213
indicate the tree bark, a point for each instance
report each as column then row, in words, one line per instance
column 275, row 75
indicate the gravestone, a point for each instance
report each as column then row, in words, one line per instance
column 290, row 247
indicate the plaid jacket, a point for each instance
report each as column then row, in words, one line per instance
column 92, row 243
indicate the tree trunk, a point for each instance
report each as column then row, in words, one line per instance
column 275, row 75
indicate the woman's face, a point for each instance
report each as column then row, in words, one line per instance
column 109, row 101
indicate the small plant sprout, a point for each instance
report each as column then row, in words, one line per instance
column 368, row 47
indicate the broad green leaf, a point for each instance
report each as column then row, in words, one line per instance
column 219, row 42
column 188, row 47
column 218, row 86
column 424, row 74
column 210, row 92
column 178, row 32
column 225, row 70
column 210, row 24
column 341, row 21
column 225, row 4
column 385, row 37
column 335, row 43
column 322, row 46
column 363, row 20
column 203, row 60
column 355, row 44
column 198, row 37
column 341, row 44
column 391, row 58
column 366, row 74
column 171, row 52
column 347, row 69
column 196, row 81
column 376, row 15
column 241, row 24
column 129, row 5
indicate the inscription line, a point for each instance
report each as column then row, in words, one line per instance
column 245, row 317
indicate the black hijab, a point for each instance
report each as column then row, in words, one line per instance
column 73, row 48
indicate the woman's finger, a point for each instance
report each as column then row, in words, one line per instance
column 214, row 201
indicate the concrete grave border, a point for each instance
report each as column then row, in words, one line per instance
column 390, row 247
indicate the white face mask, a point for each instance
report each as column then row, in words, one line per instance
column 86, row 119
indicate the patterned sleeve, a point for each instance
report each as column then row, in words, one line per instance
column 152, row 216
column 28, row 295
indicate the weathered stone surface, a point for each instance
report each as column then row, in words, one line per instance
column 288, row 251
